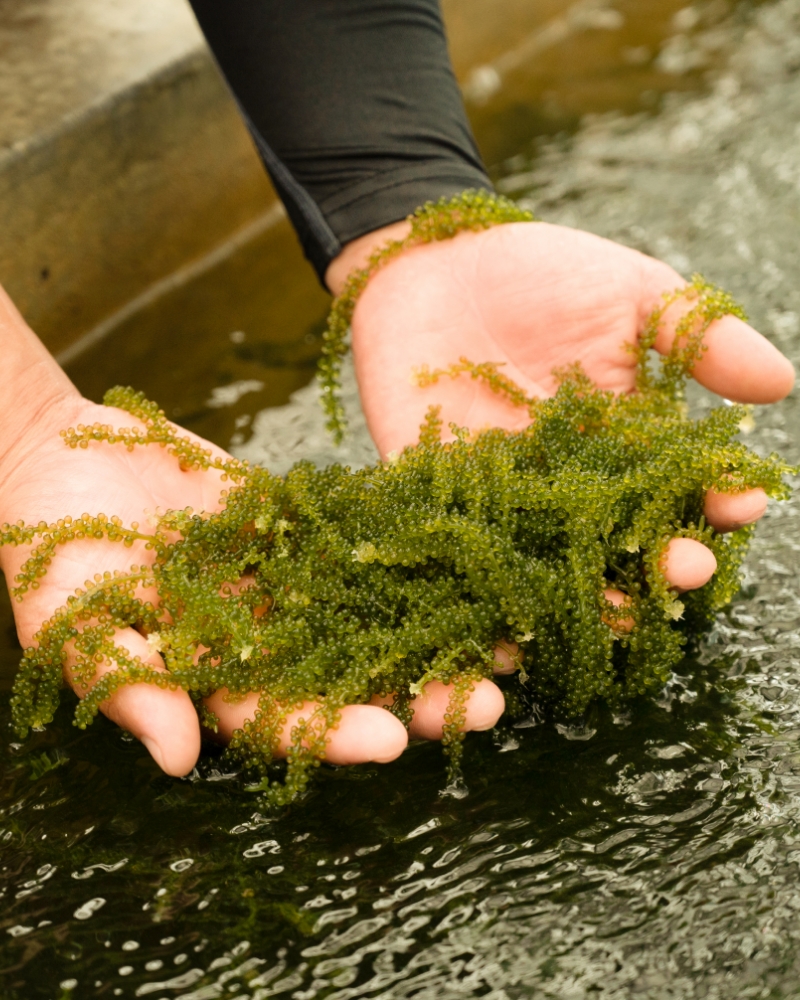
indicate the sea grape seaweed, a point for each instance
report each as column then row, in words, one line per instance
column 378, row 581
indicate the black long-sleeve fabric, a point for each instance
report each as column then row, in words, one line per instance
column 352, row 105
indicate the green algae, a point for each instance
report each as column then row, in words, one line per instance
column 378, row 581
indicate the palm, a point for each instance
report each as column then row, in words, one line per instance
column 129, row 484
column 533, row 297
column 52, row 481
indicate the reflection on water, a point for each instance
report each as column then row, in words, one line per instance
column 659, row 858
column 537, row 68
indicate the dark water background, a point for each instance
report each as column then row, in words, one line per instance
column 660, row 856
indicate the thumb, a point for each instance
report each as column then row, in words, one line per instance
column 738, row 363
column 164, row 719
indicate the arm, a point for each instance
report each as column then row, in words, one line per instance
column 353, row 107
column 356, row 113
column 30, row 379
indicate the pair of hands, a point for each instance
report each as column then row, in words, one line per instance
column 530, row 295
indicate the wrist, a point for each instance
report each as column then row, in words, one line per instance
column 355, row 254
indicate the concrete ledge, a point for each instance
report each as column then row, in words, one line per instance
column 123, row 194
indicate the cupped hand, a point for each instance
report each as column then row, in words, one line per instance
column 49, row 481
column 536, row 297
column 45, row 480
column 42, row 479
column 533, row 297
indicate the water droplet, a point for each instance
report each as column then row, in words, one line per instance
column 182, row 865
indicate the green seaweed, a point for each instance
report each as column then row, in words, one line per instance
column 378, row 581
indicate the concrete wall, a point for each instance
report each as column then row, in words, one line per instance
column 149, row 167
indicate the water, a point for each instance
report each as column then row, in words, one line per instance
column 658, row 858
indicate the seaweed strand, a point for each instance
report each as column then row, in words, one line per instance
column 433, row 221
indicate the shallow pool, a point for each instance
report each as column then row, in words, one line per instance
column 653, row 854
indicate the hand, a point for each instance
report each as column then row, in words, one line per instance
column 536, row 297
column 533, row 297
column 41, row 479
column 49, row 481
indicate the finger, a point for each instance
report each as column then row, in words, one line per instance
column 619, row 600
column 739, row 363
column 688, row 564
column 507, row 658
column 364, row 733
column 729, row 511
column 485, row 704
column 164, row 720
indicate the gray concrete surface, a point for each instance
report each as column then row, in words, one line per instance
column 122, row 156
column 61, row 58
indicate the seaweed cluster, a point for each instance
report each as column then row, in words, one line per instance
column 378, row 581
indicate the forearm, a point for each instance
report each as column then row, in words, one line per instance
column 353, row 107
column 32, row 386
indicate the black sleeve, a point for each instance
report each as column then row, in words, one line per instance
column 353, row 107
